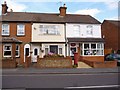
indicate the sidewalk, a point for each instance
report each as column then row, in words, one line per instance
column 60, row 71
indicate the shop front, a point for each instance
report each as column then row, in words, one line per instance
column 87, row 48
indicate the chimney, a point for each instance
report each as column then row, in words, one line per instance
column 63, row 10
column 4, row 8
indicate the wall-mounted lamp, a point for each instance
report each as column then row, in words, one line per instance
column 34, row 28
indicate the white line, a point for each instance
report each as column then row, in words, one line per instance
column 106, row 86
column 54, row 74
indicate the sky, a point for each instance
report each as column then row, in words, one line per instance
column 99, row 9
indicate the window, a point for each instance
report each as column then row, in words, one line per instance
column 92, row 49
column 77, row 30
column 60, row 49
column 89, row 30
column 20, row 29
column 46, row 49
column 49, row 29
column 17, row 52
column 5, row 29
column 54, row 49
column 7, row 50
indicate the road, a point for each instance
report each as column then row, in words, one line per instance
column 67, row 81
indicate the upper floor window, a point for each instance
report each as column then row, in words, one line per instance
column 49, row 29
column 20, row 29
column 5, row 29
column 77, row 30
column 89, row 30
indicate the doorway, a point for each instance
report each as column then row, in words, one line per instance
column 26, row 50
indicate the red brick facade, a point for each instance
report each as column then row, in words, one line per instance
column 26, row 39
column 111, row 34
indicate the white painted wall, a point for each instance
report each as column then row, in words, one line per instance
column 83, row 29
column 37, row 37
column 34, row 57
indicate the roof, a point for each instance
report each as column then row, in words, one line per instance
column 10, row 40
column 115, row 22
column 48, row 17
column 85, row 39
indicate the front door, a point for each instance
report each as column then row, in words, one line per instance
column 35, row 54
column 54, row 49
column 26, row 50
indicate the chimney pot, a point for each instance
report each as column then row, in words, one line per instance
column 11, row 10
column 4, row 2
column 63, row 10
column 64, row 5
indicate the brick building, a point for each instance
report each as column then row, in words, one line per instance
column 111, row 34
column 37, row 34
column 16, row 35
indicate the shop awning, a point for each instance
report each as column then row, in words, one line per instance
column 95, row 40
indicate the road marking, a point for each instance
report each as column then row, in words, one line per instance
column 105, row 86
column 53, row 74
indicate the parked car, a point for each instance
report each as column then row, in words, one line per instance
column 113, row 56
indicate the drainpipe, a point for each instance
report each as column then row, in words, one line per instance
column 65, row 40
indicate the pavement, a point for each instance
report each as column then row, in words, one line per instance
column 32, row 70
column 83, row 65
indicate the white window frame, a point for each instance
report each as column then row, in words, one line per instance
column 5, row 30
column 7, row 50
column 89, row 30
column 49, row 30
column 20, row 31
column 60, row 47
column 46, row 47
column 77, row 30
column 18, row 51
column 90, row 49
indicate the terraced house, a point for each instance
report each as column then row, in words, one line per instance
column 37, row 34
column 16, row 34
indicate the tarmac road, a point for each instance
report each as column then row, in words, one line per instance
column 61, row 78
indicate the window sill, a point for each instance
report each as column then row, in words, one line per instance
column 50, row 34
column 20, row 35
column 91, row 55
column 17, row 56
column 5, row 35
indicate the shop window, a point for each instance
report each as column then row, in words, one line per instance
column 92, row 49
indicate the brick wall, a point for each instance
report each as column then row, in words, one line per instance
column 110, row 31
column 54, row 63
column 25, row 39
column 9, row 63
column 93, row 58
column 106, row 64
